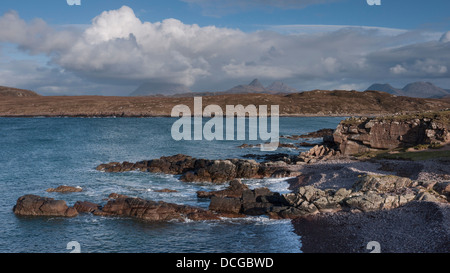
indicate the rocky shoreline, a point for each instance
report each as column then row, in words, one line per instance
column 365, row 190
column 334, row 199
column 336, row 205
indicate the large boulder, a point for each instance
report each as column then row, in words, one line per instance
column 33, row 205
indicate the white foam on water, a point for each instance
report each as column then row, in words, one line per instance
column 274, row 184
column 256, row 220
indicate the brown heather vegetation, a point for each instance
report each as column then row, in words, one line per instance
column 311, row 103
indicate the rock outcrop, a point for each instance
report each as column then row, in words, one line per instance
column 360, row 135
column 235, row 190
column 260, row 201
column 369, row 193
column 33, row 205
column 192, row 169
column 153, row 211
column 239, row 199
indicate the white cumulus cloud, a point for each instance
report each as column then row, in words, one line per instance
column 118, row 49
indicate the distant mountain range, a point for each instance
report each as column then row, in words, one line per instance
column 148, row 89
column 256, row 87
column 415, row 90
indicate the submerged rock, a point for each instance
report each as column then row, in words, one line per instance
column 65, row 189
column 166, row 190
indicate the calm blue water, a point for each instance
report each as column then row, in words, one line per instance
column 40, row 153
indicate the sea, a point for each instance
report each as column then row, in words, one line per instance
column 41, row 153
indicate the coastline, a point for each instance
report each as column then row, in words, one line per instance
column 416, row 227
column 343, row 230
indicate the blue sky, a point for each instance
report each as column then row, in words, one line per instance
column 405, row 14
column 309, row 44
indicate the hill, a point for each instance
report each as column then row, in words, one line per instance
column 253, row 87
column 385, row 88
column 15, row 92
column 256, row 87
column 281, row 87
column 415, row 90
column 424, row 90
column 311, row 103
